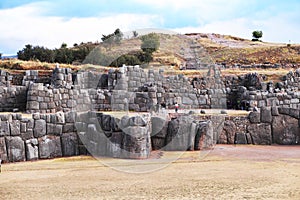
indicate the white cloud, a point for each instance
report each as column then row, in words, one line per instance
column 26, row 25
column 204, row 10
column 278, row 28
column 237, row 27
column 236, row 17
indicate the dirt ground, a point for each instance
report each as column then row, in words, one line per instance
column 226, row 172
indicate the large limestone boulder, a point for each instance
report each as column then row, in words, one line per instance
column 69, row 144
column 260, row 133
column 105, row 122
column 227, row 135
column 16, row 149
column 158, row 132
column 204, row 138
column 15, row 128
column 50, row 147
column 136, row 142
column 115, row 145
column 4, row 128
column 285, row 130
column 241, row 138
column 32, row 150
column 39, row 129
column 180, row 136
column 3, row 152
column 266, row 115
column 95, row 140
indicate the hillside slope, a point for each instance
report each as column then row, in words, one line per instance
column 190, row 50
column 198, row 48
column 233, row 50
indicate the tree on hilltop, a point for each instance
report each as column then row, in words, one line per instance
column 118, row 35
column 135, row 34
column 63, row 46
column 256, row 35
column 113, row 38
column 150, row 43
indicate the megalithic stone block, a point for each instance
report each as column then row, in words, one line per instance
column 69, row 143
column 15, row 149
column 3, row 152
column 50, row 147
column 39, row 129
column 32, row 150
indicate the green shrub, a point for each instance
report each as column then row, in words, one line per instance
column 256, row 35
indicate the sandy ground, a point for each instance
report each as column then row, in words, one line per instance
column 226, row 172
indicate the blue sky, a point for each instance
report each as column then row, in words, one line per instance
column 52, row 22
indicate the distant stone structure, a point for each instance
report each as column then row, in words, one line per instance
column 68, row 119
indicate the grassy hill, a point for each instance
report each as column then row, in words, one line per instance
column 233, row 50
column 212, row 48
column 176, row 50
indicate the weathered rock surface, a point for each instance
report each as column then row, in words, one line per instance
column 180, row 136
column 185, row 133
column 50, row 147
column 69, row 144
column 3, row 152
column 266, row 115
column 16, row 150
column 39, row 129
column 254, row 117
column 115, row 145
column 159, row 132
column 228, row 133
column 204, row 136
column 136, row 142
column 260, row 133
column 285, row 130
column 241, row 138
column 32, row 150
column 4, row 128
column 15, row 128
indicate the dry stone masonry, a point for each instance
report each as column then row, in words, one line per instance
column 68, row 119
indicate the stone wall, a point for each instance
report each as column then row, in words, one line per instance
column 133, row 88
column 272, row 125
column 42, row 136
column 63, row 132
column 46, row 99
column 13, row 98
column 252, row 90
column 68, row 134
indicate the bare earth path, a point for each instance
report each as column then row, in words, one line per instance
column 227, row 172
